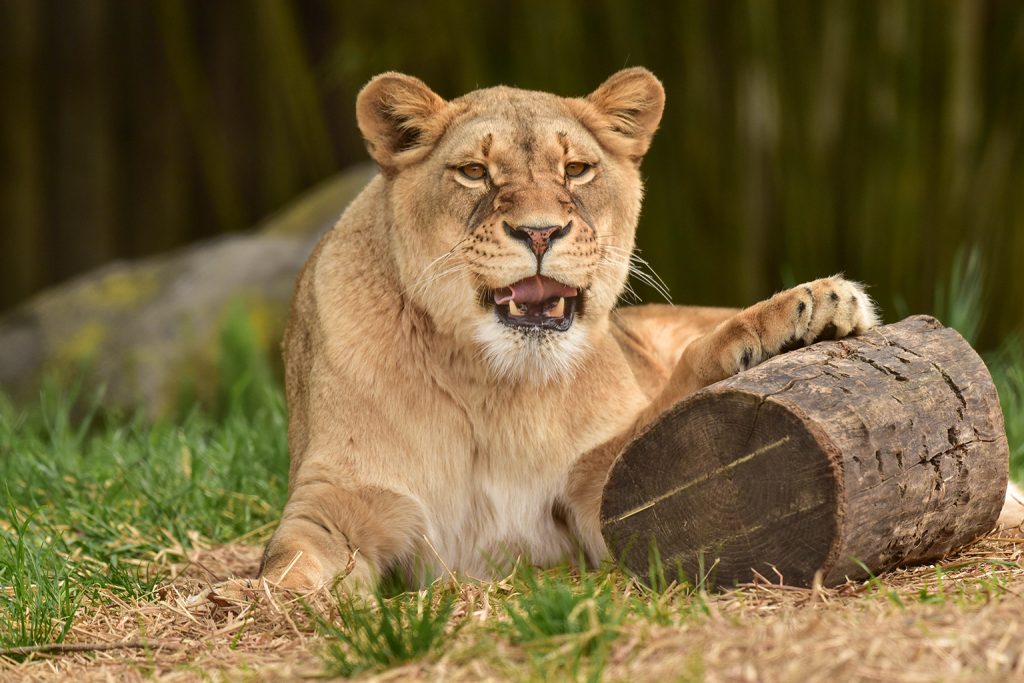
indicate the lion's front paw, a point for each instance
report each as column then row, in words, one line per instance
column 829, row 308
column 300, row 572
column 292, row 567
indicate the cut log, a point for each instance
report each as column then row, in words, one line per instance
column 839, row 459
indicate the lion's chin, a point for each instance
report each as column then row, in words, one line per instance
column 531, row 354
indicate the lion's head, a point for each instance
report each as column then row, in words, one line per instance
column 513, row 213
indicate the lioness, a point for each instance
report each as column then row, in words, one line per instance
column 459, row 378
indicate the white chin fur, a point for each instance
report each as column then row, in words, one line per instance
column 534, row 356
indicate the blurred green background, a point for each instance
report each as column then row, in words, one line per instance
column 883, row 139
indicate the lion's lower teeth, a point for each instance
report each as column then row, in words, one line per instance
column 558, row 310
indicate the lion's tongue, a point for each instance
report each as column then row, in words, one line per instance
column 532, row 290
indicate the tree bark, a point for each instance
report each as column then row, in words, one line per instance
column 840, row 459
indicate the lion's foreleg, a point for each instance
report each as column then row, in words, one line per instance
column 828, row 308
column 586, row 483
column 332, row 532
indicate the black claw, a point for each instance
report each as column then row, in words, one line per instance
column 833, row 296
column 748, row 355
column 800, row 308
column 792, row 344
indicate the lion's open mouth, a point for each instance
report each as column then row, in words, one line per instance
column 537, row 302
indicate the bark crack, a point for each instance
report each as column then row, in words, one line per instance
column 901, row 347
column 857, row 355
column 928, row 459
column 952, row 387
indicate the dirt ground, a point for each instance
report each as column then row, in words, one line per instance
column 963, row 622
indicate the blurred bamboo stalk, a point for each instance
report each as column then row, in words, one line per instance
column 83, row 160
column 191, row 85
column 293, row 95
column 21, row 194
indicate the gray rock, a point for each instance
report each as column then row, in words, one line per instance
column 145, row 329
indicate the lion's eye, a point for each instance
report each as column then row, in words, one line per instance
column 473, row 171
column 574, row 169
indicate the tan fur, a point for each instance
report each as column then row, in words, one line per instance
column 427, row 436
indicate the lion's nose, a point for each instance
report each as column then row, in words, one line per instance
column 539, row 239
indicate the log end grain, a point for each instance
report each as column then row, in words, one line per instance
column 725, row 485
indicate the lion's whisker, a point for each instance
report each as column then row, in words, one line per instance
column 439, row 261
column 423, row 286
column 638, row 268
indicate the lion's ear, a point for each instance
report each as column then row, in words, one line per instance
column 625, row 111
column 400, row 118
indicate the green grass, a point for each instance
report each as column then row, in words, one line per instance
column 87, row 499
column 566, row 620
column 989, row 585
column 124, row 488
column 84, row 503
column 367, row 636
column 1007, row 366
column 41, row 593
column 559, row 623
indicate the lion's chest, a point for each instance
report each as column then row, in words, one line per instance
column 496, row 464
column 506, row 498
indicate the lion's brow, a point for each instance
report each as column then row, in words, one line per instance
column 563, row 140
column 527, row 143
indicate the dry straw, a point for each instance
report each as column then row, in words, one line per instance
column 962, row 620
